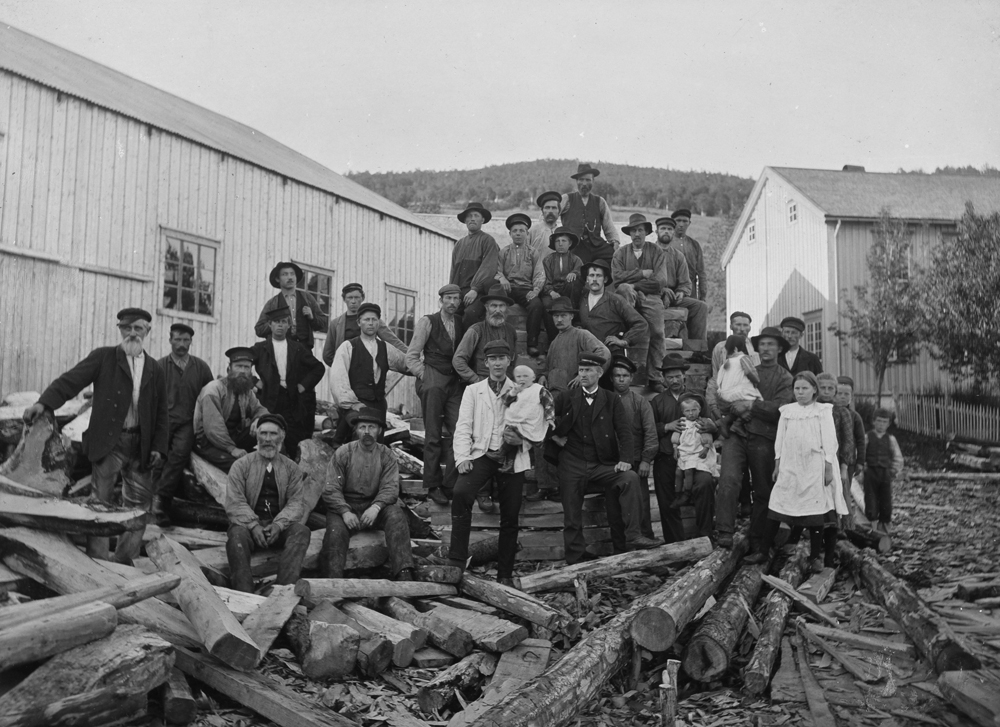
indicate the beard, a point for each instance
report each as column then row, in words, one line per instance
column 496, row 319
column 132, row 345
column 267, row 451
column 239, row 384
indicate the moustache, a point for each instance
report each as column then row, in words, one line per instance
column 367, row 439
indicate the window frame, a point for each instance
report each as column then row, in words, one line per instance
column 793, row 211
column 752, row 232
column 391, row 291
column 191, row 238
column 308, row 268
column 812, row 340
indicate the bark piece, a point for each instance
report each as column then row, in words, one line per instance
column 806, row 605
column 266, row 622
column 324, row 650
column 438, row 693
column 405, row 638
column 975, row 693
column 818, row 585
column 40, row 460
column 867, row 538
column 520, row 604
column 374, row 652
column 438, row 574
column 787, row 683
column 488, row 632
column 314, row 458
column 440, row 632
column 338, row 589
column 818, row 707
column 70, row 518
column 871, row 643
column 56, row 633
column 179, row 706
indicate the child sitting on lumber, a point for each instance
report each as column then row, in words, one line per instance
column 883, row 461
column 737, row 379
column 693, row 449
column 530, row 412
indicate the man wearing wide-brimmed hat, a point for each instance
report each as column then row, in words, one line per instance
column 562, row 268
column 677, row 291
column 614, row 322
column 587, row 215
column 520, row 274
column 470, row 357
column 692, row 253
column 345, row 326
column 474, row 262
column 307, row 314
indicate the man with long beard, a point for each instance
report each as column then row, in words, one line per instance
column 129, row 424
column 226, row 413
column 470, row 357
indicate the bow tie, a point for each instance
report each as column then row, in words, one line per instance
column 590, row 396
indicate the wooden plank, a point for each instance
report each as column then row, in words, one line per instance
column 214, row 480
column 53, row 634
column 488, row 632
column 816, row 588
column 440, row 632
column 266, row 622
column 518, row 666
column 190, row 538
column 865, row 642
column 406, row 638
column 807, row 605
column 818, row 707
column 338, row 589
column 70, row 518
column 787, row 683
column 179, row 706
column 973, row 692
column 857, row 668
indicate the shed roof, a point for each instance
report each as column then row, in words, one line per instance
column 40, row 61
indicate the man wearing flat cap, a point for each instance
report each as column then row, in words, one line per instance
column 677, row 291
column 541, row 231
column 520, row 274
column 185, row 376
column 474, row 262
column 129, row 426
column 361, row 493
column 266, row 504
column 692, row 253
column 306, row 313
column 226, row 412
column 470, row 356
column 639, row 414
column 797, row 359
column 288, row 374
column 429, row 358
column 587, row 215
column 360, row 368
column 615, row 323
column 345, row 326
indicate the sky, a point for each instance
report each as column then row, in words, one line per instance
column 719, row 86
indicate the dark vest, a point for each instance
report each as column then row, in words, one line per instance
column 360, row 373
column 879, row 451
column 585, row 221
column 439, row 349
column 580, row 442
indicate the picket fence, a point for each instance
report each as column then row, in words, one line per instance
column 942, row 417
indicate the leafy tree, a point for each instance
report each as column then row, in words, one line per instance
column 884, row 316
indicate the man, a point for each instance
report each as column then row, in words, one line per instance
column 129, row 425
column 677, row 291
column 479, row 437
column 307, row 315
column 361, row 493
column 667, row 415
column 360, row 368
column 795, row 358
column 288, row 374
column 593, row 446
column 541, row 232
column 345, row 326
column 692, row 253
column 562, row 362
column 613, row 322
column 227, row 411
column 266, row 504
column 470, row 356
column 440, row 388
column 587, row 215
column 751, row 443
column 520, row 274
column 562, row 268
column 474, row 262
column 639, row 270
column 639, row 414
column 184, row 376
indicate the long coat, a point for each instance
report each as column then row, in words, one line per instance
column 611, row 428
column 302, row 368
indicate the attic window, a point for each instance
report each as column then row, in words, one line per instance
column 793, row 212
column 752, row 232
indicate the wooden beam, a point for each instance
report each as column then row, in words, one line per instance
column 818, row 707
column 39, row 460
column 339, row 589
column 898, row 648
column 324, row 650
column 190, row 538
column 214, row 480
column 266, row 622
column 521, row 664
column 975, row 693
column 374, row 652
column 63, row 516
column 179, row 706
column 431, row 658
column 488, row 632
column 405, row 638
column 443, row 634
column 818, row 585
column 520, row 604
column 857, row 668
column 808, row 606
column 54, row 634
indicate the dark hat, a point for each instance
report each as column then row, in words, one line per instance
column 673, row 362
column 369, row 308
column 624, row 362
column 793, row 322
column 546, row 196
column 449, row 288
column 273, row 277
column 279, row 313
column 562, row 304
column 635, row 220
column 846, row 380
column 475, row 207
column 182, row 328
column 273, row 419
column 517, row 217
column 681, row 213
column 585, row 269
column 670, row 221
column 239, row 353
column 592, row 359
column 770, row 332
column 368, row 414
column 127, row 315
column 349, row 287
column 496, row 347
column 740, row 314
column 497, row 293
column 582, row 169
column 574, row 239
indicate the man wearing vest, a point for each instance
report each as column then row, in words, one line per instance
column 429, row 358
column 796, row 358
column 587, row 215
column 470, row 356
column 474, row 262
column 692, row 253
column 345, row 326
column 307, row 315
column 360, row 368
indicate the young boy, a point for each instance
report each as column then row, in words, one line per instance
column 530, row 413
column 883, row 462
column 562, row 268
column 693, row 450
column 844, row 422
column 845, row 398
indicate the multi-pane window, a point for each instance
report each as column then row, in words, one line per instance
column 793, row 211
column 400, row 312
column 812, row 339
column 319, row 284
column 189, row 273
column 752, row 232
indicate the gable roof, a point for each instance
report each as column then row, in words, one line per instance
column 55, row 67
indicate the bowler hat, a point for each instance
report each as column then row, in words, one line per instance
column 669, row 221
column 475, row 207
column 673, row 362
column 585, row 269
column 369, row 308
column 273, row 419
column 634, row 221
column 496, row 293
column 239, row 353
column 582, row 169
column 273, row 277
column 367, row 414
column 351, row 287
column 624, row 362
column 546, row 196
column 592, row 359
column 681, row 213
column 182, row 328
column 280, row 313
column 574, row 239
column 127, row 315
column 793, row 322
column 449, row 288
column 562, row 304
column 496, row 347
column 517, row 217
column 770, row 332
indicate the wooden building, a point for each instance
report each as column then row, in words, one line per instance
column 801, row 243
column 114, row 193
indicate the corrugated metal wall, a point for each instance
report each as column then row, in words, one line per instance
column 85, row 194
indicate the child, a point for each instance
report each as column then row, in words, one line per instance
column 883, row 462
column 844, row 424
column 737, row 379
column 807, row 489
column 845, row 398
column 562, row 268
column 530, row 411
column 693, row 449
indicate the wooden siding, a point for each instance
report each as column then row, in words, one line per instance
column 85, row 194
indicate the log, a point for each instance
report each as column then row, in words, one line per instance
column 214, row 480
column 197, row 514
column 684, row 551
column 657, row 625
column 179, row 706
column 40, row 459
column 338, row 589
column 216, row 625
column 439, row 692
column 405, row 637
column 438, row 574
column 668, row 692
column 54, row 634
column 481, row 552
column 407, row 462
column 69, row 518
column 936, row 641
column 374, row 651
column 488, row 632
column 867, row 538
column 190, row 538
column 975, row 591
column 520, row 604
column 16, row 488
column 818, row 707
column 103, row 682
column 265, row 623
column 757, row 673
column 314, row 458
column 892, row 648
column 818, row 585
column 521, row 664
column 949, row 476
column 467, row 604
column 857, row 668
column 709, row 651
column 804, row 603
column 975, row 693
column 441, row 633
column 324, row 650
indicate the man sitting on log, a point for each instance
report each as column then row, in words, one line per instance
column 361, row 493
column 226, row 413
column 266, row 504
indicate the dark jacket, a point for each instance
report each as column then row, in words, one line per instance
column 183, row 387
column 303, row 326
column 666, row 410
column 611, row 428
column 776, row 388
column 804, row 361
column 302, row 368
column 109, row 372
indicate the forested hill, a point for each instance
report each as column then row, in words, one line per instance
column 513, row 186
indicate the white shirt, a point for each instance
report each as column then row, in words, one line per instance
column 496, row 436
column 281, row 358
column 592, row 300
column 371, row 345
column 590, row 395
column 637, row 253
column 790, row 356
column 136, row 365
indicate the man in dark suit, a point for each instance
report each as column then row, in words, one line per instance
column 593, row 445
column 796, row 359
column 306, row 314
column 288, row 374
column 129, row 425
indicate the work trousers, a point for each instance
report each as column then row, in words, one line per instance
column 298, row 429
column 878, row 494
column 702, row 498
column 738, row 454
column 220, row 457
column 178, row 456
column 651, row 309
column 337, row 541
column 536, row 315
column 293, row 541
column 472, row 313
column 440, row 398
column 646, row 523
column 510, row 488
column 125, row 458
column 697, row 322
column 622, row 501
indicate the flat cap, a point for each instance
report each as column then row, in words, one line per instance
column 239, row 353
column 350, row 287
column 547, row 197
column 273, row 419
column 368, row 414
column 449, row 289
column 279, row 313
column 127, row 315
column 793, row 322
column 669, row 221
column 182, row 328
column 592, row 359
column 369, row 308
column 624, row 362
column 496, row 347
column 681, row 213
column 517, row 218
